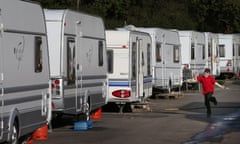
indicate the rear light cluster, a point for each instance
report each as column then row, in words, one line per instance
column 55, row 87
column 121, row 93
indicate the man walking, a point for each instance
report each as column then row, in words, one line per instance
column 208, row 83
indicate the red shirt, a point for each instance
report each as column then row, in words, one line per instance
column 207, row 84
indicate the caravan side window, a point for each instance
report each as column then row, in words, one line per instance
column 100, row 53
column 233, row 49
column 134, row 57
column 176, row 53
column 158, row 52
column 71, row 60
column 238, row 50
column 209, row 49
column 222, row 50
column 192, row 51
column 149, row 59
column 110, row 61
column 203, row 52
column 38, row 55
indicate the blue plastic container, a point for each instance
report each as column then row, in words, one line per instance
column 81, row 125
column 90, row 125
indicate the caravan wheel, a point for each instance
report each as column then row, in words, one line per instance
column 86, row 115
column 87, row 112
column 14, row 134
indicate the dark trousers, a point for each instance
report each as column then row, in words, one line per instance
column 209, row 98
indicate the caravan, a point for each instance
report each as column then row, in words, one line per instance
column 78, row 66
column 129, row 68
column 193, row 53
column 226, row 46
column 25, row 101
column 166, row 58
column 229, row 45
column 236, row 55
column 212, row 53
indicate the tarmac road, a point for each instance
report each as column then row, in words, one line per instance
column 172, row 121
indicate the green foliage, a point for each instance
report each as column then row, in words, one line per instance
column 221, row 82
column 203, row 15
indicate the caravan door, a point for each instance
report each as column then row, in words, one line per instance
column 78, row 66
column 140, row 64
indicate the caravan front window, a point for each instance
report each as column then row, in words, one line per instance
column 71, row 60
column 222, row 50
column 176, row 54
column 158, row 52
column 38, row 54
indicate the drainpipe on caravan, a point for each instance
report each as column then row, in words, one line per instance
column 2, row 92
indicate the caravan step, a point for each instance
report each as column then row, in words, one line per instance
column 141, row 107
column 169, row 95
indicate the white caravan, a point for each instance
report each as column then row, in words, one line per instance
column 212, row 53
column 129, row 66
column 236, row 55
column 227, row 42
column 166, row 58
column 78, row 66
column 193, row 53
column 25, row 101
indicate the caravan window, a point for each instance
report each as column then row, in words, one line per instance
column 217, row 50
column 100, row 53
column 71, row 60
column 238, row 50
column 110, row 61
column 233, row 49
column 158, row 52
column 176, row 53
column 209, row 49
column 38, row 54
column 222, row 50
column 203, row 52
column 192, row 51
column 148, row 59
column 143, row 59
column 134, row 57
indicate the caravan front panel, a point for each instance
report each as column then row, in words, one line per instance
column 129, row 57
column 78, row 61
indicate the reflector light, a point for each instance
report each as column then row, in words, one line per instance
column 53, row 86
column 53, row 106
column 57, row 82
column 124, row 46
column 121, row 93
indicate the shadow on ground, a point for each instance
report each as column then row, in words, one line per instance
column 225, row 119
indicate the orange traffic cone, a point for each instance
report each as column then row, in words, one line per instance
column 97, row 115
column 41, row 133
